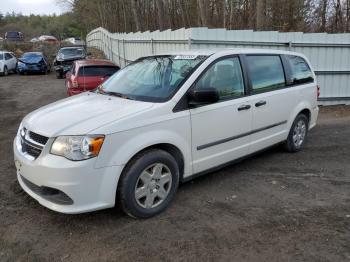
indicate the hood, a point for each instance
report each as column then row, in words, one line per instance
column 30, row 59
column 81, row 114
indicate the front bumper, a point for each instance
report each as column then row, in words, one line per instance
column 62, row 68
column 31, row 68
column 89, row 188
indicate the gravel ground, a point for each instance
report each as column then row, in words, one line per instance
column 272, row 207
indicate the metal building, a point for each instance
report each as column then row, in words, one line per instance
column 329, row 53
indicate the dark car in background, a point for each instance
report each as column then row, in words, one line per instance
column 14, row 36
column 86, row 75
column 65, row 58
column 33, row 62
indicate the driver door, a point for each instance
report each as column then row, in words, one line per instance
column 221, row 131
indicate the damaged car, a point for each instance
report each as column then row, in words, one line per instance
column 33, row 62
column 65, row 58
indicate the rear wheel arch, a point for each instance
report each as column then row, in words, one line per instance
column 306, row 112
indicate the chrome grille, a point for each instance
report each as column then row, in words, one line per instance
column 32, row 143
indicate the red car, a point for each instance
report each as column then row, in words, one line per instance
column 86, row 75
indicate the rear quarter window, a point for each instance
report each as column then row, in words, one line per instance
column 1, row 57
column 301, row 72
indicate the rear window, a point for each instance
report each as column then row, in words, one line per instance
column 12, row 34
column 301, row 72
column 1, row 56
column 266, row 72
column 97, row 70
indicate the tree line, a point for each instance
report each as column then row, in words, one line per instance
column 61, row 26
column 280, row 15
column 141, row 15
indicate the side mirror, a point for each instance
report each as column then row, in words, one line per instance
column 203, row 96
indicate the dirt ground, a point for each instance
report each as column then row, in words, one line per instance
column 272, row 207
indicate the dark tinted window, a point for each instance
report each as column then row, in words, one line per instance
column 301, row 72
column 7, row 56
column 266, row 72
column 12, row 34
column 1, row 56
column 225, row 76
column 97, row 70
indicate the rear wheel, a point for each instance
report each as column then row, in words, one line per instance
column 148, row 184
column 297, row 134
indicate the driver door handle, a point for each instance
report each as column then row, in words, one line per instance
column 260, row 103
column 244, row 107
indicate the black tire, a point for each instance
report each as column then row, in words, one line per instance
column 290, row 144
column 59, row 75
column 130, row 178
column 6, row 71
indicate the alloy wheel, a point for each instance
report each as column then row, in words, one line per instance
column 299, row 133
column 153, row 185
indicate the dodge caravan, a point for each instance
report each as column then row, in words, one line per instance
column 160, row 121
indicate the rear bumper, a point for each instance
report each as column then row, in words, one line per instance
column 314, row 116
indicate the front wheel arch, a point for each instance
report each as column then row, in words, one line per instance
column 169, row 148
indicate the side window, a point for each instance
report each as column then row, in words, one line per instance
column 7, row 56
column 301, row 72
column 266, row 72
column 226, row 77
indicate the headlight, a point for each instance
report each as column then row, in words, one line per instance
column 77, row 147
column 20, row 64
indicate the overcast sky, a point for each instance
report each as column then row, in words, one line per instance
column 27, row 7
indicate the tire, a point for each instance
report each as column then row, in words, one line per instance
column 297, row 134
column 155, row 175
column 59, row 75
column 6, row 71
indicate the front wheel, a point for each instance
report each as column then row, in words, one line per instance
column 59, row 75
column 148, row 184
column 297, row 134
column 6, row 71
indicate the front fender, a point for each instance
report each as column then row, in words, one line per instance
column 119, row 148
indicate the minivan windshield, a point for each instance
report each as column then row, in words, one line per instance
column 152, row 79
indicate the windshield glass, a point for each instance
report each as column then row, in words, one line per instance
column 151, row 79
column 71, row 52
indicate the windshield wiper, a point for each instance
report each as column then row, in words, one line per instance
column 117, row 95
column 110, row 93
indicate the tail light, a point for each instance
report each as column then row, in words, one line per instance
column 318, row 91
column 75, row 83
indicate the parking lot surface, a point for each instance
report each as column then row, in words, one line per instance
column 275, row 206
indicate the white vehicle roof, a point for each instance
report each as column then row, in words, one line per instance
column 226, row 51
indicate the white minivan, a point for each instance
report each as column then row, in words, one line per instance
column 162, row 120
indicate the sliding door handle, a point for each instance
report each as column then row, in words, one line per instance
column 260, row 103
column 244, row 107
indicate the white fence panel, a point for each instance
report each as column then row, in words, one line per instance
column 329, row 53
